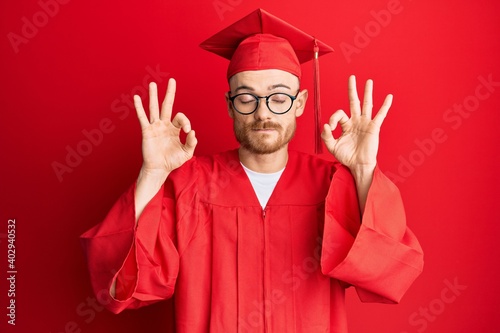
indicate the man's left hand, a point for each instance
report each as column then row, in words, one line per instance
column 357, row 146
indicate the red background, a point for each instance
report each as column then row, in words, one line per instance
column 67, row 76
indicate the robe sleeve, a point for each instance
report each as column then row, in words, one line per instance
column 376, row 253
column 142, row 259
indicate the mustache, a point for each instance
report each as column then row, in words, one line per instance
column 260, row 125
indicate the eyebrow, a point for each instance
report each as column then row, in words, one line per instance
column 274, row 86
column 279, row 85
column 244, row 88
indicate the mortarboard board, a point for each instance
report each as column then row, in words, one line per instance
column 263, row 41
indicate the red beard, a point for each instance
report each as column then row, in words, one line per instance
column 259, row 144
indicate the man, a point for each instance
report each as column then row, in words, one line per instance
column 258, row 239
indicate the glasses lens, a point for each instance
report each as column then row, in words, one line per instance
column 245, row 103
column 279, row 103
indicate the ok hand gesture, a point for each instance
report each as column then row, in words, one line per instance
column 162, row 148
column 357, row 146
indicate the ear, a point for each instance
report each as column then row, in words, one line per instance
column 300, row 102
column 230, row 109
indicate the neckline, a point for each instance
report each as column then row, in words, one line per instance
column 270, row 174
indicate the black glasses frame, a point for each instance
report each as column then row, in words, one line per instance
column 258, row 98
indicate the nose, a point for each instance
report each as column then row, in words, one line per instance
column 262, row 112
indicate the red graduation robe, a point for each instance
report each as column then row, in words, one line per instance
column 235, row 267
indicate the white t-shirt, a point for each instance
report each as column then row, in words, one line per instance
column 263, row 183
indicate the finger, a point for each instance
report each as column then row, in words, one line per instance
column 191, row 142
column 168, row 102
column 141, row 114
column 384, row 109
column 328, row 138
column 353, row 96
column 368, row 100
column 154, row 112
column 338, row 117
column 181, row 121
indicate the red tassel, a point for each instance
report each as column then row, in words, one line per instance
column 317, row 105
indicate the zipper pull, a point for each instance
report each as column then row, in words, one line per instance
column 264, row 213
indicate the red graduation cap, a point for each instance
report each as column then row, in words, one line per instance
column 263, row 41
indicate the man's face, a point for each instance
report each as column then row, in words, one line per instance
column 264, row 132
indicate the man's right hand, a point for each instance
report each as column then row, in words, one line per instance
column 162, row 149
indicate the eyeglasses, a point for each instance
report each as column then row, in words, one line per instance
column 277, row 103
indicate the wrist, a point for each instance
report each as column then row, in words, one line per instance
column 148, row 184
column 362, row 173
column 363, row 177
column 155, row 177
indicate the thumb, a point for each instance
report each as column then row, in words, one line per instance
column 328, row 138
column 191, row 142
